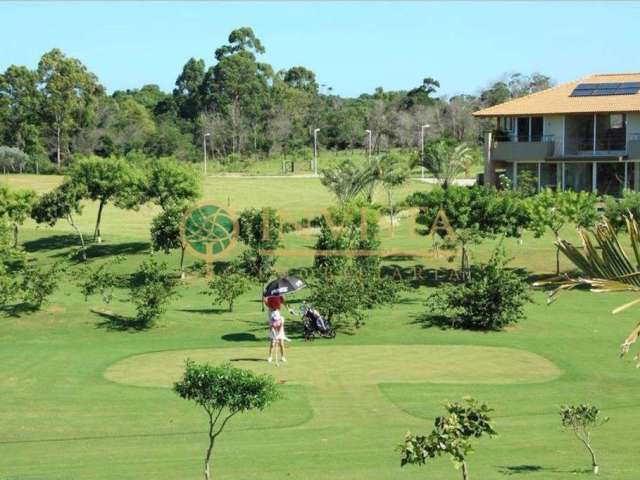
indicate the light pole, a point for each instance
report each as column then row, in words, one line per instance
column 422, row 145
column 204, row 150
column 369, row 132
column 315, row 151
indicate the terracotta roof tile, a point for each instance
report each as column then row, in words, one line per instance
column 557, row 100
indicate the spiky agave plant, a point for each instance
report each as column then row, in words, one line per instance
column 604, row 267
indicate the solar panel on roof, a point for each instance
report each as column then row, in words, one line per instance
column 605, row 89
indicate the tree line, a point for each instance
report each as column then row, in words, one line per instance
column 59, row 110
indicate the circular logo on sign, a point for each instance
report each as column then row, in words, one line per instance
column 208, row 231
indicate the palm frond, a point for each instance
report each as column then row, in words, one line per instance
column 605, row 267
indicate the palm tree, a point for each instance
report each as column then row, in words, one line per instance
column 392, row 171
column 446, row 161
column 605, row 267
column 348, row 180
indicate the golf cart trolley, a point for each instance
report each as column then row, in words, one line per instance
column 314, row 323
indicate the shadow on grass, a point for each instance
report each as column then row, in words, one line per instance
column 520, row 469
column 97, row 250
column 443, row 322
column 248, row 360
column 205, row 311
column 240, row 337
column 51, row 242
column 524, row 469
column 119, row 323
column 430, row 320
column 18, row 309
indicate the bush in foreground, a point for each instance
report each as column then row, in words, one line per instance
column 451, row 435
column 223, row 392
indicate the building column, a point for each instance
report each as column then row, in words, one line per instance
column 489, row 167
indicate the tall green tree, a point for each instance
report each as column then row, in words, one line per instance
column 106, row 180
column 238, row 84
column 188, row 90
column 20, row 106
column 171, row 183
column 69, row 93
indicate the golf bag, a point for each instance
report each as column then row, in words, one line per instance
column 315, row 324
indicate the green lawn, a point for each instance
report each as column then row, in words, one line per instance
column 79, row 400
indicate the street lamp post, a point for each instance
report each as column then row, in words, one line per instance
column 422, row 145
column 204, row 151
column 369, row 132
column 315, row 151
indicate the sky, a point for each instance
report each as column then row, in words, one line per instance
column 353, row 47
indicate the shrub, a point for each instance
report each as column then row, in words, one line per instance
column 490, row 299
column 346, row 293
column 38, row 284
column 451, row 435
column 228, row 286
column 152, row 288
column 616, row 208
column 260, row 231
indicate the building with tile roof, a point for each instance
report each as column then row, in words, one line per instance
column 582, row 135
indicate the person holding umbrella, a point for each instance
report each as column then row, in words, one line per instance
column 273, row 298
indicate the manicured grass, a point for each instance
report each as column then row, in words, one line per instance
column 72, row 405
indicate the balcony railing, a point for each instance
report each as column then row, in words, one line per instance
column 514, row 150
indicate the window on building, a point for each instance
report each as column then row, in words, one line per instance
column 537, row 127
column 578, row 176
column 527, row 178
column 523, row 129
column 611, row 134
column 610, row 178
column 549, row 175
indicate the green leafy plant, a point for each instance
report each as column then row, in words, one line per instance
column 152, row 289
column 101, row 280
column 616, row 209
column 61, row 202
column 38, row 284
column 474, row 214
column 260, row 231
column 165, row 232
column 223, row 392
column 451, row 435
column 490, row 299
column 445, row 160
column 228, row 286
column 553, row 210
column 107, row 180
column 581, row 420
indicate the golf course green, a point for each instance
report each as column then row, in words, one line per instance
column 81, row 399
